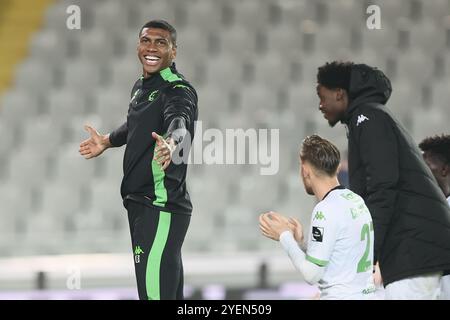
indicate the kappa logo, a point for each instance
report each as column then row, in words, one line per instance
column 317, row 234
column 319, row 216
column 137, row 252
column 361, row 119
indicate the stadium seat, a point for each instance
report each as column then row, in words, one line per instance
column 60, row 200
column 109, row 166
column 112, row 107
column 75, row 132
column 71, row 168
column 28, row 168
column 404, row 97
column 9, row 138
column 239, row 41
column 111, row 16
column 257, row 14
column 433, row 10
column 441, row 94
column 222, row 69
column 125, row 73
column 156, row 10
column 64, row 103
column 34, row 77
column 353, row 12
column 98, row 45
column 416, row 67
column 15, row 200
column 438, row 124
column 273, row 72
column 83, row 76
column 442, row 66
column 46, row 45
column 107, row 215
column 428, row 38
column 202, row 13
column 42, row 134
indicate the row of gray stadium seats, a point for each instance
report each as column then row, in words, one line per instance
column 249, row 72
column 116, row 14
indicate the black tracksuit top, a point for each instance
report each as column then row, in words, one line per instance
column 155, row 102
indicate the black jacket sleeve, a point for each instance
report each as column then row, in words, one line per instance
column 179, row 112
column 119, row 136
column 380, row 158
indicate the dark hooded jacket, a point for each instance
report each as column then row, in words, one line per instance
column 410, row 214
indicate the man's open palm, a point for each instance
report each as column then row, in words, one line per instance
column 94, row 146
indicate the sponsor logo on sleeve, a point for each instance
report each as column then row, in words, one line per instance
column 319, row 216
column 317, row 234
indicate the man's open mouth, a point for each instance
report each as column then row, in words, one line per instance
column 151, row 60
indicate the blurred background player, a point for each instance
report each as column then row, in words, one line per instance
column 339, row 250
column 436, row 153
column 161, row 114
column 411, row 217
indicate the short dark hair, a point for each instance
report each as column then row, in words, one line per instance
column 334, row 75
column 161, row 24
column 321, row 153
column 438, row 145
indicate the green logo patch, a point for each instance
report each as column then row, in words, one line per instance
column 153, row 95
column 319, row 216
column 138, row 250
column 348, row 196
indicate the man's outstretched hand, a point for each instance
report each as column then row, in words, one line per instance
column 163, row 150
column 95, row 145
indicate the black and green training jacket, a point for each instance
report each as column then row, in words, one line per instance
column 162, row 103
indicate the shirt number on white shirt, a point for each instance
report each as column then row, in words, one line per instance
column 365, row 262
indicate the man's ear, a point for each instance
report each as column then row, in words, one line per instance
column 174, row 51
column 340, row 93
column 305, row 170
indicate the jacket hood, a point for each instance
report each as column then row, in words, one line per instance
column 367, row 84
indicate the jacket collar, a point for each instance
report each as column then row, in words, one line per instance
column 164, row 76
column 339, row 187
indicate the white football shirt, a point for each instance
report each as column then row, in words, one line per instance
column 341, row 240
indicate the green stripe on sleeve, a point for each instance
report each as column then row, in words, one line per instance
column 152, row 277
column 158, row 181
column 320, row 263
